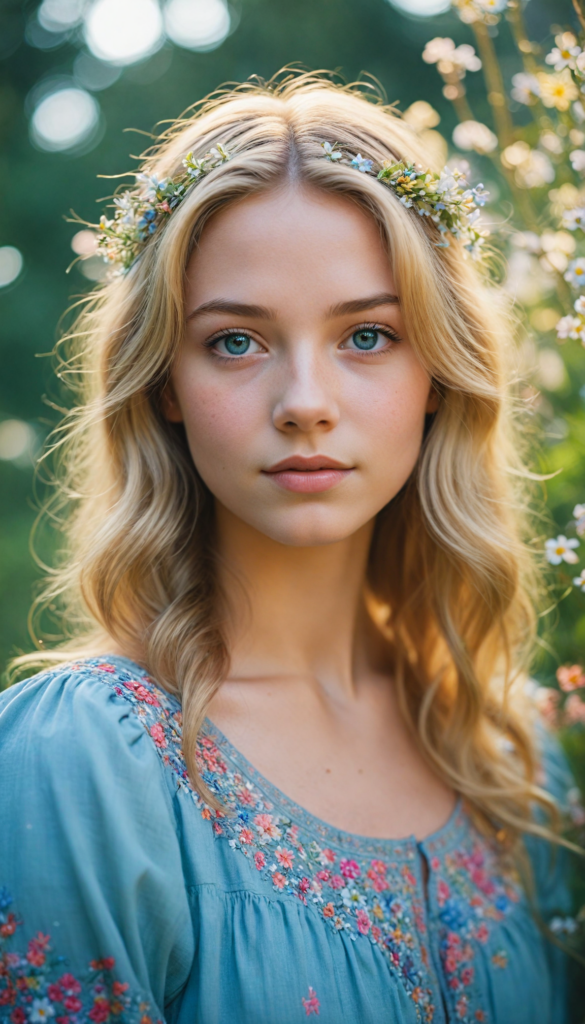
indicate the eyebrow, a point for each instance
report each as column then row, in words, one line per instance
column 264, row 313
column 360, row 305
column 233, row 308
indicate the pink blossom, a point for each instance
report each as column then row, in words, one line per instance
column 482, row 933
column 575, row 709
column 100, row 1011
column 570, row 678
column 246, row 836
column 443, row 892
column 467, row 975
column 70, row 984
column 72, row 1004
column 349, row 868
column 259, row 860
column 158, row 734
column 323, row 875
column 304, row 885
column 328, row 855
column 337, row 882
column 279, row 880
column 311, row 1004
column 285, row 857
column 363, row 922
column 55, row 993
column 462, row 1005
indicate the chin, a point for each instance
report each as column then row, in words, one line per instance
column 308, row 530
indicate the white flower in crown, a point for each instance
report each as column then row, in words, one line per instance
column 579, row 581
column 362, row 164
column 331, row 153
column 150, row 185
column 579, row 305
column 559, row 549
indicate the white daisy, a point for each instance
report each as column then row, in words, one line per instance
column 559, row 549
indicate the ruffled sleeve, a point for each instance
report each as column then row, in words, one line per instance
column 95, row 922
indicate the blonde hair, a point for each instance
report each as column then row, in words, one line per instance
column 450, row 578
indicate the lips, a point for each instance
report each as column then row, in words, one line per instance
column 308, row 474
column 306, row 464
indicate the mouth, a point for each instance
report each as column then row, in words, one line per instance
column 308, row 474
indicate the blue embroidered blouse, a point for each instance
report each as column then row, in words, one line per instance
column 124, row 899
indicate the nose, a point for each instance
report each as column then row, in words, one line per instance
column 306, row 401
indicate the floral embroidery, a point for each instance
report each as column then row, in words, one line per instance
column 370, row 895
column 35, row 986
column 471, row 893
column 311, row 1004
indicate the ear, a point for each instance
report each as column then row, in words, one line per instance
column 169, row 404
column 432, row 401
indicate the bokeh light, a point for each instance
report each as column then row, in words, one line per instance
column 84, row 242
column 94, row 74
column 11, row 264
column 123, row 31
column 424, row 8
column 17, row 441
column 60, row 15
column 197, row 24
column 64, row 119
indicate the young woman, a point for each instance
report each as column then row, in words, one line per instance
column 291, row 769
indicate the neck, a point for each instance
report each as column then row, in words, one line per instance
column 295, row 611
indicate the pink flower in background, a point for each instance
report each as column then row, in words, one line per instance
column 570, row 678
column 575, row 710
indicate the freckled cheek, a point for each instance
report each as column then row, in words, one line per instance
column 392, row 418
column 221, row 425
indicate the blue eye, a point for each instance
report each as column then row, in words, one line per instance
column 235, row 344
column 365, row 339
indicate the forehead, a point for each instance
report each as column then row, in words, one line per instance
column 292, row 242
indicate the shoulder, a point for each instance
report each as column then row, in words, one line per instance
column 78, row 714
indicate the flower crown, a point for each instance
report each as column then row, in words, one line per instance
column 444, row 198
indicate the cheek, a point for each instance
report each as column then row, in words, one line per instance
column 220, row 421
column 390, row 416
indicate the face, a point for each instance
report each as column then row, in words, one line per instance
column 302, row 398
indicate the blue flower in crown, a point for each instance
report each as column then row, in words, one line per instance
column 140, row 211
column 361, row 164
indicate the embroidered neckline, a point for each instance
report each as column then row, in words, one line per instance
column 447, row 836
